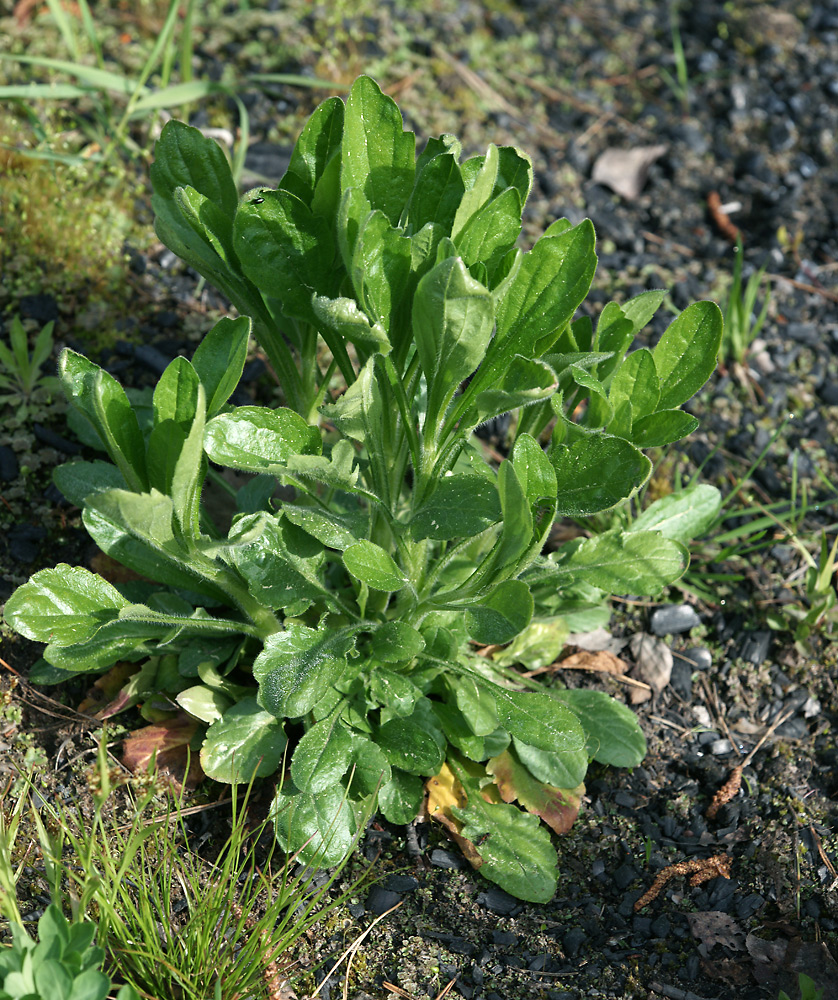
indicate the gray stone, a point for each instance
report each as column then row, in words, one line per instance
column 674, row 618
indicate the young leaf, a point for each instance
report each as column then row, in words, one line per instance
column 437, row 194
column 63, row 606
column 395, row 642
column 321, row 827
column 562, row 769
column 684, row 356
column 256, row 439
column 285, row 249
column 400, row 798
column 582, row 487
column 625, row 562
column 380, row 268
column 479, row 175
column 636, row 380
column 374, row 566
column 219, row 360
column 453, row 317
column 378, row 156
column 319, row 141
column 492, row 230
column 409, row 746
column 103, row 401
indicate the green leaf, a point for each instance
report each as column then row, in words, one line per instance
column 492, row 230
column 344, row 317
column 613, row 733
column 476, row 702
column 537, row 646
column 285, row 249
column 479, row 175
column 400, row 799
column 395, row 642
column 256, row 439
column 685, row 356
column 370, row 769
column 322, row 757
column 321, row 827
column 409, row 747
column 453, row 317
column 393, row 691
column 537, row 719
column 374, row 566
column 636, row 381
column 219, row 360
column 63, row 606
column 523, row 382
column 335, row 528
column 185, row 157
column 437, row 194
column 462, row 505
column 319, row 142
column 103, row 401
column 515, row 848
column 583, row 486
column 625, row 562
column 662, row 428
column 77, row 480
column 297, row 666
column 684, row 515
column 380, row 268
column 533, row 469
column 378, row 156
column 545, row 291
column 502, row 614
column 561, row 769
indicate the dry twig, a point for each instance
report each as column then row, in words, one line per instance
column 700, row 870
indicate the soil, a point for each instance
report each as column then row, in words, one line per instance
column 748, row 124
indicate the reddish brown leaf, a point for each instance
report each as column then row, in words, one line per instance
column 107, row 696
column 169, row 740
column 558, row 807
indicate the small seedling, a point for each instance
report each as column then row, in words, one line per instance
column 20, row 371
column 742, row 326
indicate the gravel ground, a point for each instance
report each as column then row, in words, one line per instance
column 751, row 126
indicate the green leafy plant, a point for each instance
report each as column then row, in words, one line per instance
column 338, row 626
column 63, row 964
column 20, row 371
column 741, row 324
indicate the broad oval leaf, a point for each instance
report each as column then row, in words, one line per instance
column 584, row 487
column 409, row 747
column 374, row 566
column 613, row 732
column 321, row 827
column 462, row 505
column 400, row 799
column 626, row 562
column 256, row 439
column 662, row 428
column 502, row 614
column 396, row 641
column 63, row 606
column 562, row 769
column 537, row 719
column 322, row 756
column 297, row 666
column 219, row 360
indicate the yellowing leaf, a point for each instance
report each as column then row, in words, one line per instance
column 558, row 807
column 444, row 791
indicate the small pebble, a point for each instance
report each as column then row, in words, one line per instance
column 441, row 858
column 624, row 876
column 497, row 901
column 674, row 618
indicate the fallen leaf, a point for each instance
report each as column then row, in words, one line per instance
column 104, row 698
column 714, row 927
column 599, row 660
column 652, row 664
column 598, row 639
column 558, row 807
column 169, row 740
column 625, row 170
